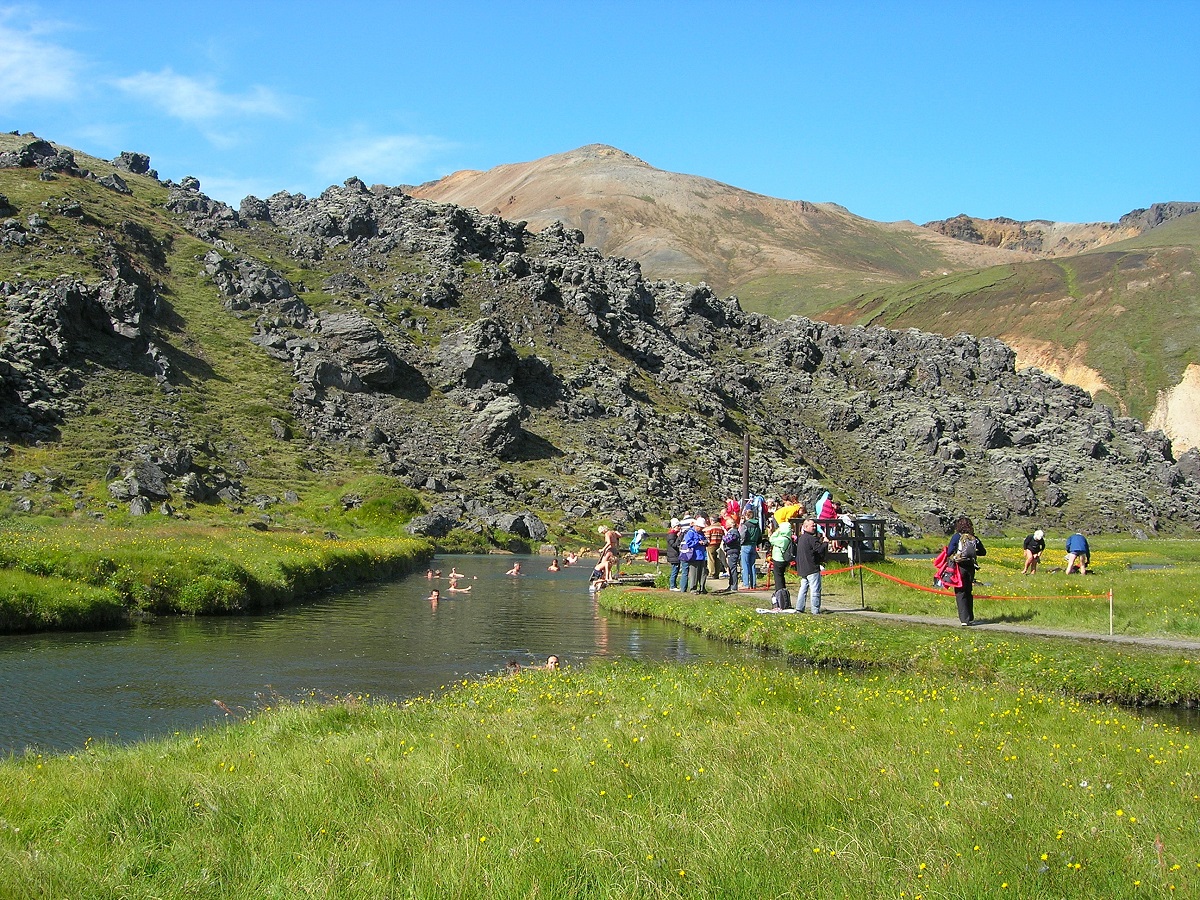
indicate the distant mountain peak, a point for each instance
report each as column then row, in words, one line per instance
column 605, row 151
column 697, row 229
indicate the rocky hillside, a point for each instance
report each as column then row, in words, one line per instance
column 782, row 258
column 162, row 348
column 778, row 256
column 1122, row 321
column 1050, row 239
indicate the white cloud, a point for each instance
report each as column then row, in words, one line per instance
column 32, row 68
column 198, row 100
column 390, row 159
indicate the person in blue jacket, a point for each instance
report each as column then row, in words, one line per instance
column 695, row 546
column 1078, row 552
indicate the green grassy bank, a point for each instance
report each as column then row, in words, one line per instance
column 626, row 781
column 1153, row 584
column 82, row 575
column 1076, row 668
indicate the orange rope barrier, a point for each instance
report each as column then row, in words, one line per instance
column 945, row 593
column 840, row 571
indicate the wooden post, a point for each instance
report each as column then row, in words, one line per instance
column 745, row 466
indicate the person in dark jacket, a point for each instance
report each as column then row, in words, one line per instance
column 811, row 548
column 964, row 548
column 677, row 568
column 751, row 535
column 1035, row 544
column 731, row 544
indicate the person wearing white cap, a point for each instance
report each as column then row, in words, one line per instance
column 678, row 569
column 694, row 553
column 1034, row 545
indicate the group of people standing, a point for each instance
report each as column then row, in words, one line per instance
column 699, row 548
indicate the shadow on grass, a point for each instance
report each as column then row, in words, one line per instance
column 1008, row 619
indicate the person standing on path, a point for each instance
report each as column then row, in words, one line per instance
column 964, row 548
column 714, row 532
column 677, row 568
column 781, row 553
column 695, row 547
column 811, row 548
column 731, row 545
column 751, row 537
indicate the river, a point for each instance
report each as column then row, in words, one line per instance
column 385, row 640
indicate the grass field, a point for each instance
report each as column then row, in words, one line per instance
column 626, row 781
column 75, row 575
column 1154, row 585
column 885, row 761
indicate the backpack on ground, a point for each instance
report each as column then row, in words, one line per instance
column 781, row 599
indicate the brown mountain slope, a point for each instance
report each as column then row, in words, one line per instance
column 1050, row 239
column 779, row 256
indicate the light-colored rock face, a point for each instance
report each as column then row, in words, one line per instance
column 1177, row 412
column 1067, row 365
column 1038, row 237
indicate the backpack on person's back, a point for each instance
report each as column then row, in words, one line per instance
column 789, row 549
column 968, row 548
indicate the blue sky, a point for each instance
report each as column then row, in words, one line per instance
column 896, row 110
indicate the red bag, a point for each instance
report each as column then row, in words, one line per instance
column 945, row 570
column 949, row 576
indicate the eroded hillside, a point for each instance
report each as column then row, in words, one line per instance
column 1122, row 321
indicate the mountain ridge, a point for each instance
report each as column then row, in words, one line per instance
column 692, row 227
column 1049, row 239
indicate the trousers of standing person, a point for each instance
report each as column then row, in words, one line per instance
column 781, row 553
column 733, row 556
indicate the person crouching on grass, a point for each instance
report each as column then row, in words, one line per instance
column 1035, row 545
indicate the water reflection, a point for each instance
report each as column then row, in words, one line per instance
column 385, row 641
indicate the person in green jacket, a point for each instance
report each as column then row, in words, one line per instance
column 781, row 552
